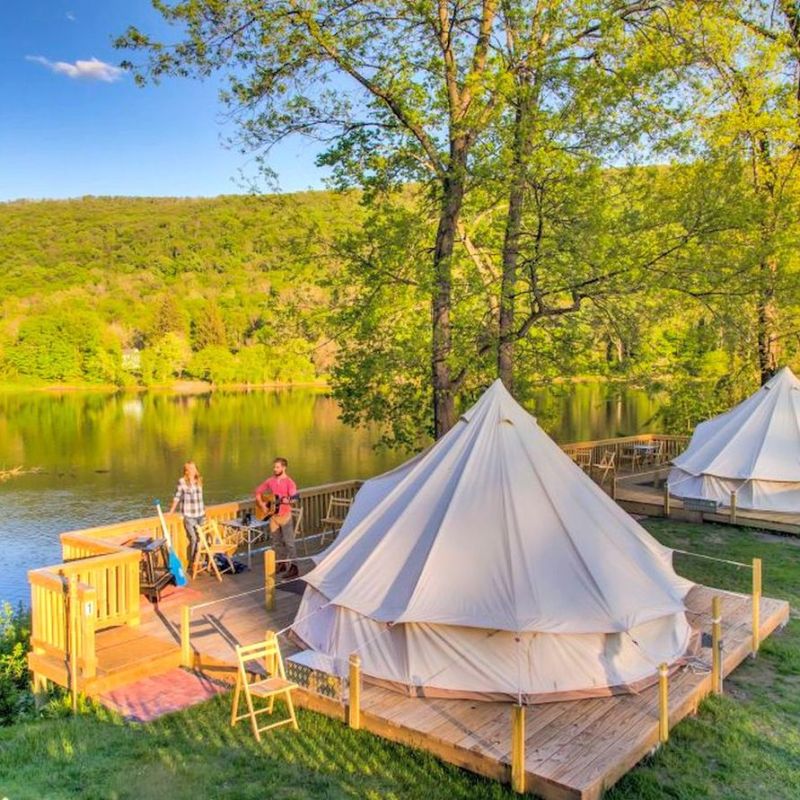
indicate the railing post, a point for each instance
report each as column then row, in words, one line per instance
column 518, row 748
column 666, row 499
column 354, row 709
column 186, row 642
column 132, row 569
column 72, row 640
column 733, row 508
column 87, row 609
column 614, row 485
column 663, row 703
column 716, row 645
column 756, row 605
column 269, row 579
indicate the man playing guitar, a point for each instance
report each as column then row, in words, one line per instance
column 281, row 524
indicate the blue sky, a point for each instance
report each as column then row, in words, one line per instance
column 71, row 126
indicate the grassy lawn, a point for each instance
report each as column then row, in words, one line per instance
column 743, row 745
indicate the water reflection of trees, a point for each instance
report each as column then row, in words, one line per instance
column 234, row 436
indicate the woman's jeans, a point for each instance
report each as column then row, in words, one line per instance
column 190, row 524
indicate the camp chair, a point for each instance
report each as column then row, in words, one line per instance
column 297, row 518
column 335, row 515
column 606, row 464
column 268, row 653
column 213, row 540
column 657, row 456
column 583, row 458
column 630, row 454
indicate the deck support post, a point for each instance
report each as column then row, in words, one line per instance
column 614, row 486
column 186, row 646
column 756, row 605
column 666, row 498
column 663, row 703
column 269, row 579
column 716, row 645
column 72, row 640
column 87, row 610
column 518, row 748
column 733, row 508
column 354, row 702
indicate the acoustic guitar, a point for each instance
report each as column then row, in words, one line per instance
column 272, row 506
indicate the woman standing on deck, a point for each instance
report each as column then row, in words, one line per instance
column 189, row 497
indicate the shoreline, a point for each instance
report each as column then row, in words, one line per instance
column 203, row 387
column 176, row 387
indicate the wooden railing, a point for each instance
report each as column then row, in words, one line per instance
column 64, row 622
column 673, row 446
column 97, row 584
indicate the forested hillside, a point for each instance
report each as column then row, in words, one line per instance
column 317, row 286
column 127, row 290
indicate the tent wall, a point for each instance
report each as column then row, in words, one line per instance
column 754, row 494
column 446, row 660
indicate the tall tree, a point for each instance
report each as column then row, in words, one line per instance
column 748, row 52
column 400, row 91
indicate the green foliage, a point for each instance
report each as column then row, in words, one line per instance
column 151, row 275
column 16, row 700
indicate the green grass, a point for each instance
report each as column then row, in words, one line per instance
column 743, row 745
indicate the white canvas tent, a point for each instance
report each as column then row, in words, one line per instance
column 752, row 450
column 491, row 566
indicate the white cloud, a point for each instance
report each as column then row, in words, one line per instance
column 93, row 69
column 70, row 15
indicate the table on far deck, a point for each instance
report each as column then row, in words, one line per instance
column 249, row 533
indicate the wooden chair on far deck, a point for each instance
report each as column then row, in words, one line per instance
column 583, row 458
column 212, row 540
column 605, row 465
column 335, row 515
column 274, row 684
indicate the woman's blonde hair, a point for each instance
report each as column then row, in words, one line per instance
column 186, row 467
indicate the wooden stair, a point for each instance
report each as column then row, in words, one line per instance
column 124, row 655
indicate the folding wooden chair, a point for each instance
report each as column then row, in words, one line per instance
column 213, row 540
column 605, row 465
column 335, row 515
column 268, row 654
column 297, row 518
column 583, row 458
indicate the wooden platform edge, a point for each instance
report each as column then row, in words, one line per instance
column 732, row 659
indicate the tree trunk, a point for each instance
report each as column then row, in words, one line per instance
column 444, row 410
column 516, row 197
column 767, row 313
column 528, row 88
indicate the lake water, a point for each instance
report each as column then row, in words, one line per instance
column 104, row 458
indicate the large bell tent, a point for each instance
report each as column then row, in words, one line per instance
column 490, row 566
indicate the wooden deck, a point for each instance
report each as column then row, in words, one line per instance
column 644, row 494
column 573, row 749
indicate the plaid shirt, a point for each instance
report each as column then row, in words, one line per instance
column 189, row 497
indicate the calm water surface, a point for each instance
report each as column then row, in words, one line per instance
column 103, row 458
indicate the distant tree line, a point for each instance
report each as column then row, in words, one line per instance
column 126, row 291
